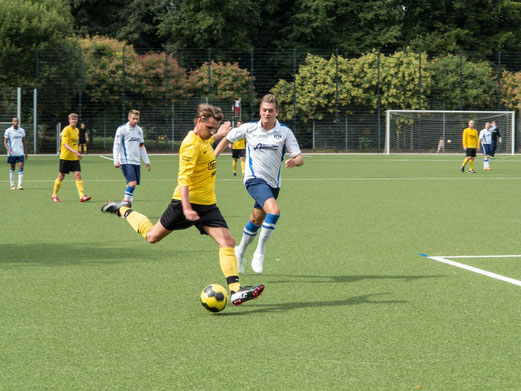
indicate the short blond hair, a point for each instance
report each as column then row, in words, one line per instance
column 133, row 112
column 270, row 98
column 73, row 115
column 206, row 111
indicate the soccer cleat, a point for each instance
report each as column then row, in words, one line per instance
column 111, row 207
column 246, row 293
column 55, row 198
column 126, row 202
column 472, row 172
column 13, row 187
column 488, row 169
column 234, row 174
column 462, row 169
column 20, row 187
column 240, row 260
column 257, row 262
column 85, row 198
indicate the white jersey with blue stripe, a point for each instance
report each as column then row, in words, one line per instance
column 485, row 136
column 14, row 139
column 265, row 150
column 127, row 141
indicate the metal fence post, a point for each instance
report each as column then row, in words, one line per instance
column 499, row 80
column 80, row 85
column 461, row 80
column 294, row 89
column 123, row 86
column 35, row 105
column 378, row 102
column 252, row 113
column 209, row 97
column 166, row 100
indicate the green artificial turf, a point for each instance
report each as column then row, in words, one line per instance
column 88, row 304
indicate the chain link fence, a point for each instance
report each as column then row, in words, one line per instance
column 167, row 87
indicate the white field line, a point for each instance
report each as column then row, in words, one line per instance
column 105, row 157
column 474, row 269
column 480, row 256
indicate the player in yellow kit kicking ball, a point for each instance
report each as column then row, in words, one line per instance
column 194, row 201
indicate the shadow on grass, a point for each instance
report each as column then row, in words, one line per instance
column 340, row 279
column 280, row 307
column 82, row 254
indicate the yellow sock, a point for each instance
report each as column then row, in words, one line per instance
column 229, row 267
column 85, row 149
column 57, row 185
column 79, row 186
column 242, row 166
column 472, row 164
column 234, row 165
column 139, row 222
column 465, row 161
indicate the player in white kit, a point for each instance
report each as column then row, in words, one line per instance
column 129, row 149
column 14, row 142
column 267, row 141
column 485, row 138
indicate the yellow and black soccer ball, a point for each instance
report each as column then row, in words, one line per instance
column 214, row 297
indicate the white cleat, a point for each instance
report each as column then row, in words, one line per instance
column 257, row 262
column 240, row 260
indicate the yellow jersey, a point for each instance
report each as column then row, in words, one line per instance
column 470, row 138
column 240, row 144
column 70, row 136
column 197, row 170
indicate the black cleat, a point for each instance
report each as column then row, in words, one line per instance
column 246, row 293
column 472, row 172
column 111, row 207
column 462, row 169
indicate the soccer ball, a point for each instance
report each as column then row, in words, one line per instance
column 214, row 297
column 449, row 141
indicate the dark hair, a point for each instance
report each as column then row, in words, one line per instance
column 206, row 111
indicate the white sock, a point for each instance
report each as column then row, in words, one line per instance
column 485, row 164
column 20, row 177
column 267, row 230
column 248, row 235
column 11, row 177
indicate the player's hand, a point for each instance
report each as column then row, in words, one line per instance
column 78, row 155
column 9, row 152
column 149, row 167
column 223, row 130
column 190, row 214
column 290, row 163
column 26, row 157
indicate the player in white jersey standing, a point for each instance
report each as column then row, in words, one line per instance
column 129, row 148
column 485, row 138
column 14, row 142
column 267, row 141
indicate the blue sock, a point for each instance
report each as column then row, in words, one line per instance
column 129, row 193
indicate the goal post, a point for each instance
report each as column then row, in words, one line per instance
column 420, row 131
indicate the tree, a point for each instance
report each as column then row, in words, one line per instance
column 26, row 25
column 228, row 81
column 229, row 24
column 477, row 88
column 357, row 84
column 511, row 90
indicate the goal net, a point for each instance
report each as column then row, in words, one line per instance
column 417, row 131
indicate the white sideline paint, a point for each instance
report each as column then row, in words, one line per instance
column 481, row 256
column 105, row 157
column 475, row 269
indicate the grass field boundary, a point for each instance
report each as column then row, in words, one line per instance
column 444, row 259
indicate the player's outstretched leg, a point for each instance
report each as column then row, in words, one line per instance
column 111, row 207
column 246, row 293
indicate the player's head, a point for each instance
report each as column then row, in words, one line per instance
column 133, row 117
column 207, row 120
column 493, row 122
column 487, row 125
column 269, row 108
column 471, row 123
column 73, row 119
column 82, row 125
column 15, row 122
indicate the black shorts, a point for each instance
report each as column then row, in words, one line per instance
column 173, row 217
column 67, row 166
column 82, row 141
column 471, row 152
column 237, row 153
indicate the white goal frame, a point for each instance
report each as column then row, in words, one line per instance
column 469, row 112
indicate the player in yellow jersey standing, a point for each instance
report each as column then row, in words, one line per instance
column 194, row 201
column 238, row 152
column 470, row 141
column 70, row 159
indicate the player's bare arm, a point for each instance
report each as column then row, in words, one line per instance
column 189, row 213
column 295, row 161
column 9, row 152
column 223, row 130
column 221, row 147
column 78, row 155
